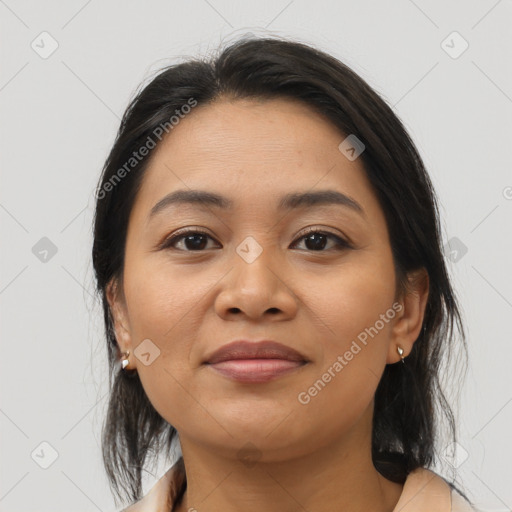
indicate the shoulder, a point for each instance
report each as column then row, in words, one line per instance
column 424, row 491
column 459, row 504
column 161, row 496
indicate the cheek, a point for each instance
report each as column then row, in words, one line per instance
column 351, row 299
column 163, row 299
column 353, row 355
column 165, row 306
column 355, row 316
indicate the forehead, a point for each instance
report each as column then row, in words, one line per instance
column 252, row 150
column 242, row 129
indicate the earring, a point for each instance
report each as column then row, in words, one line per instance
column 125, row 361
column 400, row 351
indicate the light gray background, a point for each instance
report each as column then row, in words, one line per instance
column 59, row 118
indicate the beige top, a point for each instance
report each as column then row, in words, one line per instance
column 423, row 491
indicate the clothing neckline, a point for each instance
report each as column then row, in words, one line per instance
column 423, row 491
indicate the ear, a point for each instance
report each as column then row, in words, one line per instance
column 117, row 304
column 409, row 321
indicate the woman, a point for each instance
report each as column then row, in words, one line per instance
column 268, row 254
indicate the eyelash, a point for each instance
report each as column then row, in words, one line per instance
column 340, row 242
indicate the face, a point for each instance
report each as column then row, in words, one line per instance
column 316, row 276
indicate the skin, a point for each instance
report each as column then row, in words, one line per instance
column 314, row 457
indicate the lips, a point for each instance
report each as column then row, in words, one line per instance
column 244, row 349
column 254, row 362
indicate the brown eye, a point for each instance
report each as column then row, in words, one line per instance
column 192, row 241
column 316, row 241
column 197, row 241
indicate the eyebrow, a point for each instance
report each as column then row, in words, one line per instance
column 287, row 202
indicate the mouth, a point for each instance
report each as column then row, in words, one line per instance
column 246, row 361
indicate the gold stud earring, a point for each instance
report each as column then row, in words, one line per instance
column 400, row 351
column 125, row 361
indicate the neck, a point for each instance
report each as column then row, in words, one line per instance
column 335, row 476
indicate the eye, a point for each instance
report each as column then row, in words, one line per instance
column 315, row 240
column 197, row 241
column 193, row 240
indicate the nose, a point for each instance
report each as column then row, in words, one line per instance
column 256, row 290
